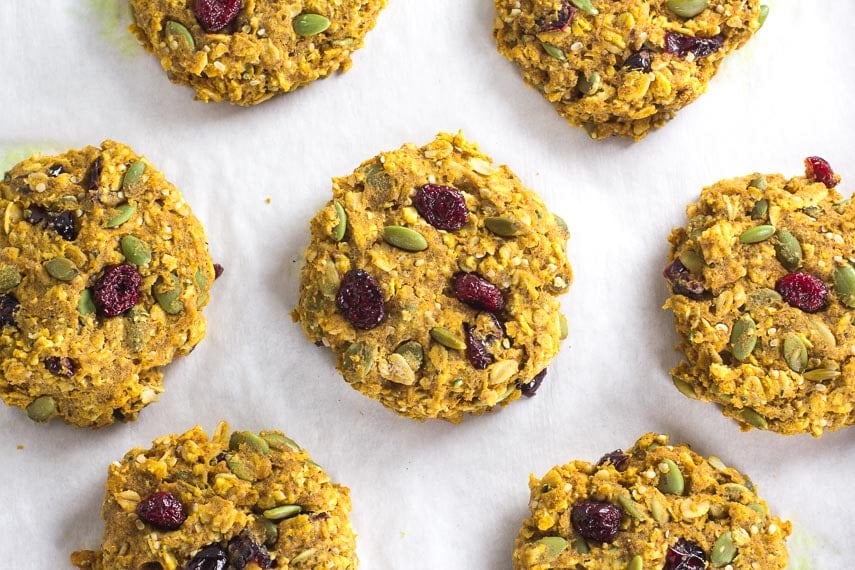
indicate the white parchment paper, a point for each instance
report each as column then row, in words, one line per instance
column 426, row 496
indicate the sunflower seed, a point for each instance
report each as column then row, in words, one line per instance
column 821, row 374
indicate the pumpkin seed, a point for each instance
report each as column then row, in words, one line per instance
column 282, row 512
column 279, row 441
column 555, row 545
column 41, row 409
column 685, row 388
column 636, row 563
column 123, row 214
column 447, row 338
column 341, row 227
column 413, row 353
column 176, row 30
column 821, row 374
column 757, row 234
column 135, row 250
column 271, row 531
column 503, row 227
column 202, row 286
column 753, row 418
column 687, row 8
column 85, row 304
column 761, row 298
column 241, row 470
column 839, row 207
column 314, row 464
column 813, row 211
column 250, row 440
column 580, row 546
column 743, row 337
column 61, row 268
column 795, row 353
column 693, row 261
column 764, row 13
column 397, row 369
column 723, row 551
column 303, row 556
column 358, row 356
column 844, row 284
column 735, row 492
column 559, row 221
column 9, row 278
column 136, row 328
column 310, row 24
column 658, row 510
column 588, row 84
column 133, row 177
column 788, row 250
column 404, row 238
column 167, row 293
column 672, row 482
column 758, row 508
column 457, row 383
column 564, row 330
column 585, row 6
column 759, row 182
column 331, row 280
column 760, row 211
column 629, row 506
column 553, row 51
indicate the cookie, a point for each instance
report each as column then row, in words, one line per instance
column 622, row 68
column 763, row 292
column 244, row 500
column 653, row 506
column 104, row 272
column 244, row 51
column 433, row 275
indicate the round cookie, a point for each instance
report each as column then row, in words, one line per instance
column 104, row 271
column 763, row 292
column 433, row 275
column 654, row 506
column 622, row 68
column 247, row 51
column 244, row 500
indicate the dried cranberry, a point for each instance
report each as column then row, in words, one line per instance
column 211, row 557
column 55, row 170
column 361, row 300
column 562, row 18
column 117, row 290
column 215, row 15
column 529, row 388
column 8, row 307
column 685, row 555
column 818, row 170
column 476, row 350
column 639, row 61
column 442, row 206
column 477, row 292
column 596, row 520
column 684, row 283
column 218, row 270
column 35, row 215
column 681, row 44
column 243, row 550
column 618, row 459
column 162, row 510
column 803, row 291
column 61, row 366
column 93, row 175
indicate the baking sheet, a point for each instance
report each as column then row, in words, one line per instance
column 432, row 495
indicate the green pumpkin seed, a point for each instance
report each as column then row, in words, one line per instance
column 133, row 177
column 61, row 268
column 585, row 6
column 331, row 280
column 310, row 24
column 788, row 250
column 123, row 214
column 658, row 510
column 561, row 223
column 685, row 388
column 279, row 441
column 735, row 492
column 821, row 374
column 503, row 227
column 759, row 182
column 687, row 8
column 580, row 546
column 555, row 545
column 250, row 440
column 241, row 470
column 9, row 278
column 303, row 556
column 795, row 353
column 136, row 328
column 693, row 261
column 672, row 482
column 753, row 418
column 271, row 531
column 447, row 338
column 839, row 207
column 282, row 512
column 764, row 13
column 636, row 563
column 844, row 284
column 563, row 328
column 629, row 506
column 313, row 464
column 813, row 211
column 359, row 358
column 588, row 84
column 743, row 337
column 167, row 293
column 760, row 210
column 85, row 304
column 758, row 508
column 202, row 286
column 178, row 31
column 404, row 238
column 553, row 51
column 723, row 551
column 413, row 353
column 457, row 383
column 341, row 227
column 135, row 250
column 41, row 409
column 757, row 234
column 761, row 298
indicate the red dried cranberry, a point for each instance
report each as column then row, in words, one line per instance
column 562, row 18
column 818, row 170
column 681, row 44
column 685, row 555
column 529, row 388
column 803, row 291
column 618, row 459
column 684, row 283
column 117, row 290
column 61, row 366
column 361, row 300
column 477, row 292
column 243, row 550
column 215, row 15
column 211, row 557
column 596, row 520
column 218, row 270
column 8, row 307
column 442, row 206
column 476, row 349
column 93, row 175
column 163, row 511
column 639, row 61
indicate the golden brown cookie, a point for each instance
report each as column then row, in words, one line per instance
column 434, row 276
column 763, row 292
column 240, row 501
column 622, row 68
column 104, row 271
